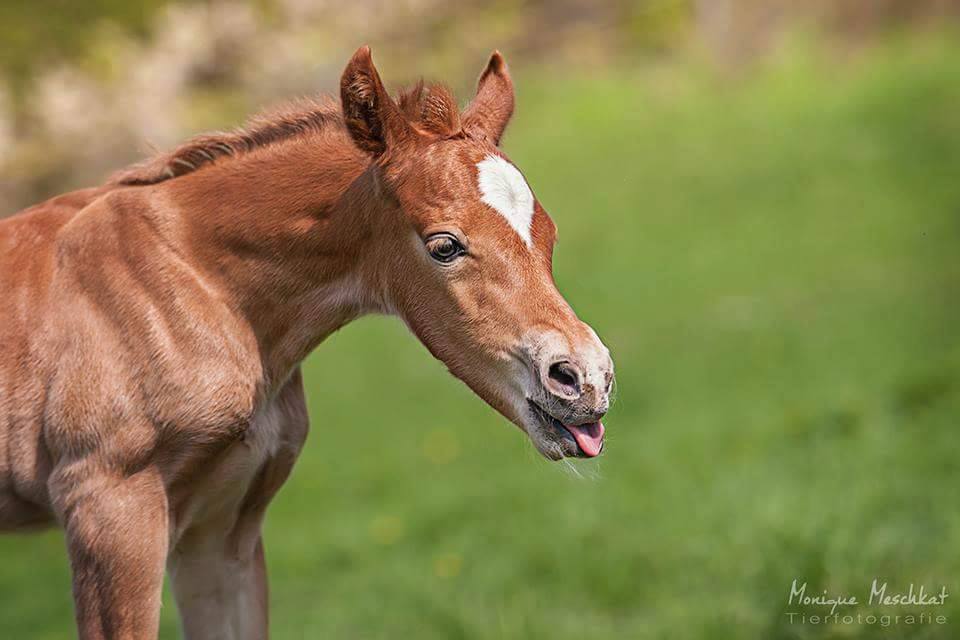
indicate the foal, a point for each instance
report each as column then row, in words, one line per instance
column 152, row 329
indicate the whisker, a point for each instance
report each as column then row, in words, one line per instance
column 571, row 468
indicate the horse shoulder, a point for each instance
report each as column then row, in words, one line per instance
column 147, row 354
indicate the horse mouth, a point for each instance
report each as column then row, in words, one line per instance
column 577, row 440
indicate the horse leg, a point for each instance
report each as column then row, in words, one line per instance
column 217, row 569
column 221, row 593
column 218, row 573
column 116, row 531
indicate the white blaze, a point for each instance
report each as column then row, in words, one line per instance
column 502, row 187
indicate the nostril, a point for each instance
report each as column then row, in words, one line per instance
column 565, row 376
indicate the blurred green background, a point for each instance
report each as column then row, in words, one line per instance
column 759, row 211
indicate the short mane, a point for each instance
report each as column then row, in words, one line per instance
column 432, row 108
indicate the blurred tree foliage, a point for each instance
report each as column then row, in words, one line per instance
column 43, row 32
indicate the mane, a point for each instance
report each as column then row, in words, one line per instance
column 431, row 108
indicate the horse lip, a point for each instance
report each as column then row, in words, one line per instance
column 557, row 426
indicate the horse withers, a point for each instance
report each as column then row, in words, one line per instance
column 152, row 329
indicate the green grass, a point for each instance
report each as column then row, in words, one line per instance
column 774, row 261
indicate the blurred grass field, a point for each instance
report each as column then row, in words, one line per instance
column 774, row 261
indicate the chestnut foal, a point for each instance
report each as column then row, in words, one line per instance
column 152, row 329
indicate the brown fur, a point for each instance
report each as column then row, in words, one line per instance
column 151, row 401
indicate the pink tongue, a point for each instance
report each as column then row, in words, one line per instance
column 588, row 436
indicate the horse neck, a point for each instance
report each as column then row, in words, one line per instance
column 281, row 231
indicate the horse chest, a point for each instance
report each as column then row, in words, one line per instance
column 214, row 498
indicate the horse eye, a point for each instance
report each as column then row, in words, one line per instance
column 444, row 248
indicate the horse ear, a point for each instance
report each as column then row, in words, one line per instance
column 488, row 114
column 373, row 119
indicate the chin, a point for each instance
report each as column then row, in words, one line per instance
column 553, row 449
